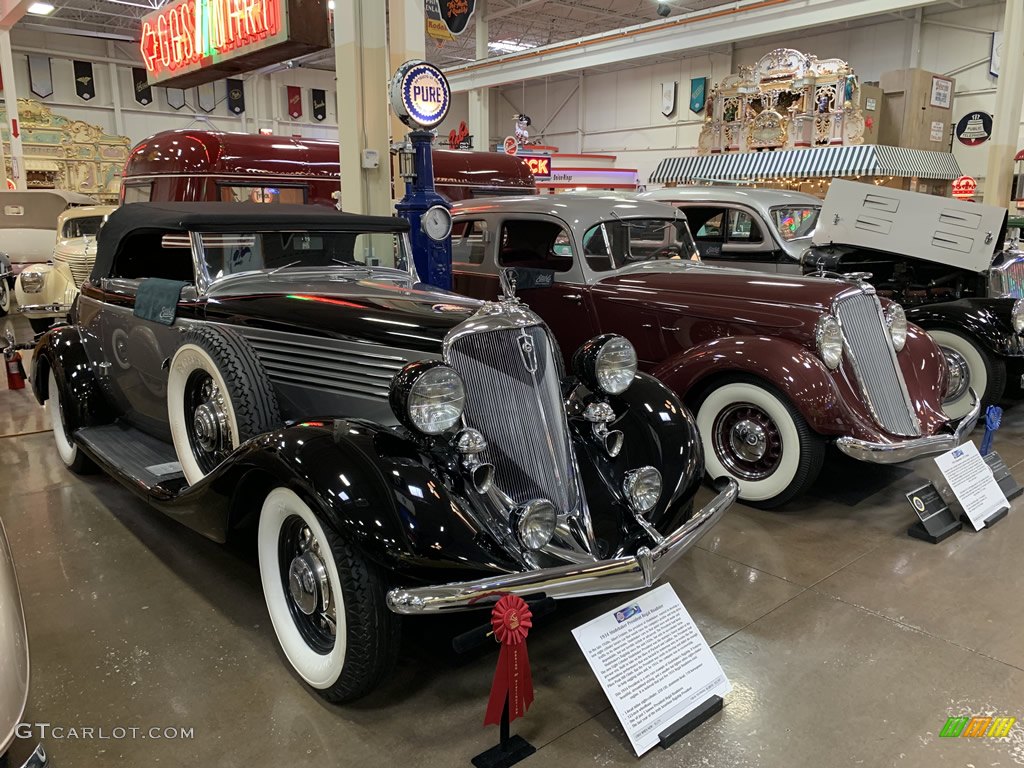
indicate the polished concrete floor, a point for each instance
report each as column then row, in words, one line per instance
column 847, row 643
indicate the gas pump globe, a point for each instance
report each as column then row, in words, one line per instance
column 420, row 97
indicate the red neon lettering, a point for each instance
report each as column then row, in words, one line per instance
column 163, row 43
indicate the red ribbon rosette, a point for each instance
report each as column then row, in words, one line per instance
column 511, row 619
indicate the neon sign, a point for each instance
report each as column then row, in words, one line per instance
column 189, row 42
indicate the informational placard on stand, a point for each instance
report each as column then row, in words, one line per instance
column 972, row 484
column 653, row 664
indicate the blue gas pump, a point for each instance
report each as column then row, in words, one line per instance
column 420, row 96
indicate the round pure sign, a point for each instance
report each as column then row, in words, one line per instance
column 420, row 94
column 974, row 128
column 511, row 146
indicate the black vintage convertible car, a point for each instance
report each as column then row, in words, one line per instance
column 400, row 450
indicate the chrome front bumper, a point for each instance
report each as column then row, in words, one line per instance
column 44, row 310
column 918, row 448
column 601, row 577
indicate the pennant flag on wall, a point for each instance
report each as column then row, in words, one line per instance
column 85, row 86
column 698, row 94
column 40, row 79
column 294, row 102
column 319, row 104
column 175, row 98
column 236, row 96
column 143, row 93
column 207, row 97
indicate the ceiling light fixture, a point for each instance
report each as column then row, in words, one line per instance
column 663, row 8
column 40, row 9
column 509, row 46
column 330, row 5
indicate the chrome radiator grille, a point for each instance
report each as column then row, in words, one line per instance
column 870, row 349
column 514, row 398
column 79, row 264
column 1007, row 280
column 325, row 365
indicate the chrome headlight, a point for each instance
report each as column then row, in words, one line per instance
column 32, row 282
column 534, row 523
column 642, row 488
column 428, row 397
column 829, row 337
column 1017, row 316
column 896, row 319
column 606, row 364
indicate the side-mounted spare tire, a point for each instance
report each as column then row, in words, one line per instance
column 218, row 396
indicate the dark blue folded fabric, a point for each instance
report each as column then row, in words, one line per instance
column 157, row 299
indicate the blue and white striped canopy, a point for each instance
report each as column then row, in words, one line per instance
column 863, row 160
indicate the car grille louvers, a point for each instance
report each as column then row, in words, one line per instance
column 513, row 396
column 80, row 264
column 874, row 361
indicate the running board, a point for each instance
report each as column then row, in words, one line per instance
column 140, row 459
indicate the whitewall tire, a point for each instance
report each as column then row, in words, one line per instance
column 978, row 371
column 326, row 603
column 6, row 296
column 68, row 450
column 218, row 396
column 750, row 432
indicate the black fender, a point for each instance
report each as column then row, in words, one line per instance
column 388, row 495
column 62, row 351
column 658, row 430
column 986, row 321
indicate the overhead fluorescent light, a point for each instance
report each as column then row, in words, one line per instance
column 40, row 9
column 509, row 46
column 330, row 5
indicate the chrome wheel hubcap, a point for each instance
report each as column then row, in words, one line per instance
column 959, row 374
column 307, row 583
column 210, row 420
column 304, row 573
column 749, row 440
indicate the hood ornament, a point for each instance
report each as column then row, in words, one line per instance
column 509, row 281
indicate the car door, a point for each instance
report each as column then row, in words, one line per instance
column 549, row 276
column 136, row 349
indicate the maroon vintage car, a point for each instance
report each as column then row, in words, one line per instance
column 775, row 367
column 196, row 166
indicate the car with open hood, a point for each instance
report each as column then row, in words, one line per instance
column 399, row 450
column 945, row 261
column 774, row 367
column 46, row 291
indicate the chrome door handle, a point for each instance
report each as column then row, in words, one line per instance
column 573, row 297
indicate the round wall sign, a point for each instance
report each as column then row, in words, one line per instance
column 511, row 146
column 420, row 94
column 974, row 128
column 964, row 187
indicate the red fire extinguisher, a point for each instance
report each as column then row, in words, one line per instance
column 15, row 370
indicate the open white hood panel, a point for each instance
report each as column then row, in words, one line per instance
column 938, row 229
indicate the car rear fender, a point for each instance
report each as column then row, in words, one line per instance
column 792, row 369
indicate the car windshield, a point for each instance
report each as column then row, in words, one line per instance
column 793, row 222
column 230, row 254
column 614, row 244
column 87, row 226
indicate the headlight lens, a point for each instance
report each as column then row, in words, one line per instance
column 829, row 337
column 606, row 363
column 642, row 488
column 428, row 397
column 896, row 319
column 1017, row 316
column 535, row 523
column 32, row 282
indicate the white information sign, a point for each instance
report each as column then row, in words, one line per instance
column 972, row 482
column 938, row 131
column 652, row 662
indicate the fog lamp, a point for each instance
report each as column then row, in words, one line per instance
column 1017, row 316
column 642, row 488
column 534, row 523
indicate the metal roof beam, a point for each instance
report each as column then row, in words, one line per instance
column 702, row 29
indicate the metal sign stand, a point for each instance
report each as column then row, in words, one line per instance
column 692, row 720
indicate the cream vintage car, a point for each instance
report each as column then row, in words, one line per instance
column 45, row 291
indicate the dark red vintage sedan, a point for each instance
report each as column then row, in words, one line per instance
column 775, row 367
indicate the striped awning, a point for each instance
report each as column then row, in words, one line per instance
column 863, row 160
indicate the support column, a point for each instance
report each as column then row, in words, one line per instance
column 406, row 41
column 115, row 92
column 11, row 103
column 361, row 67
column 480, row 98
column 1006, row 120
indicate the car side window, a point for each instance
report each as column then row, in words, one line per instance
column 706, row 223
column 743, row 227
column 469, row 242
column 154, row 254
column 535, row 244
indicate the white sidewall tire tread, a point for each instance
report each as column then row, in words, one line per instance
column 319, row 671
column 68, row 450
column 741, row 392
column 976, row 367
